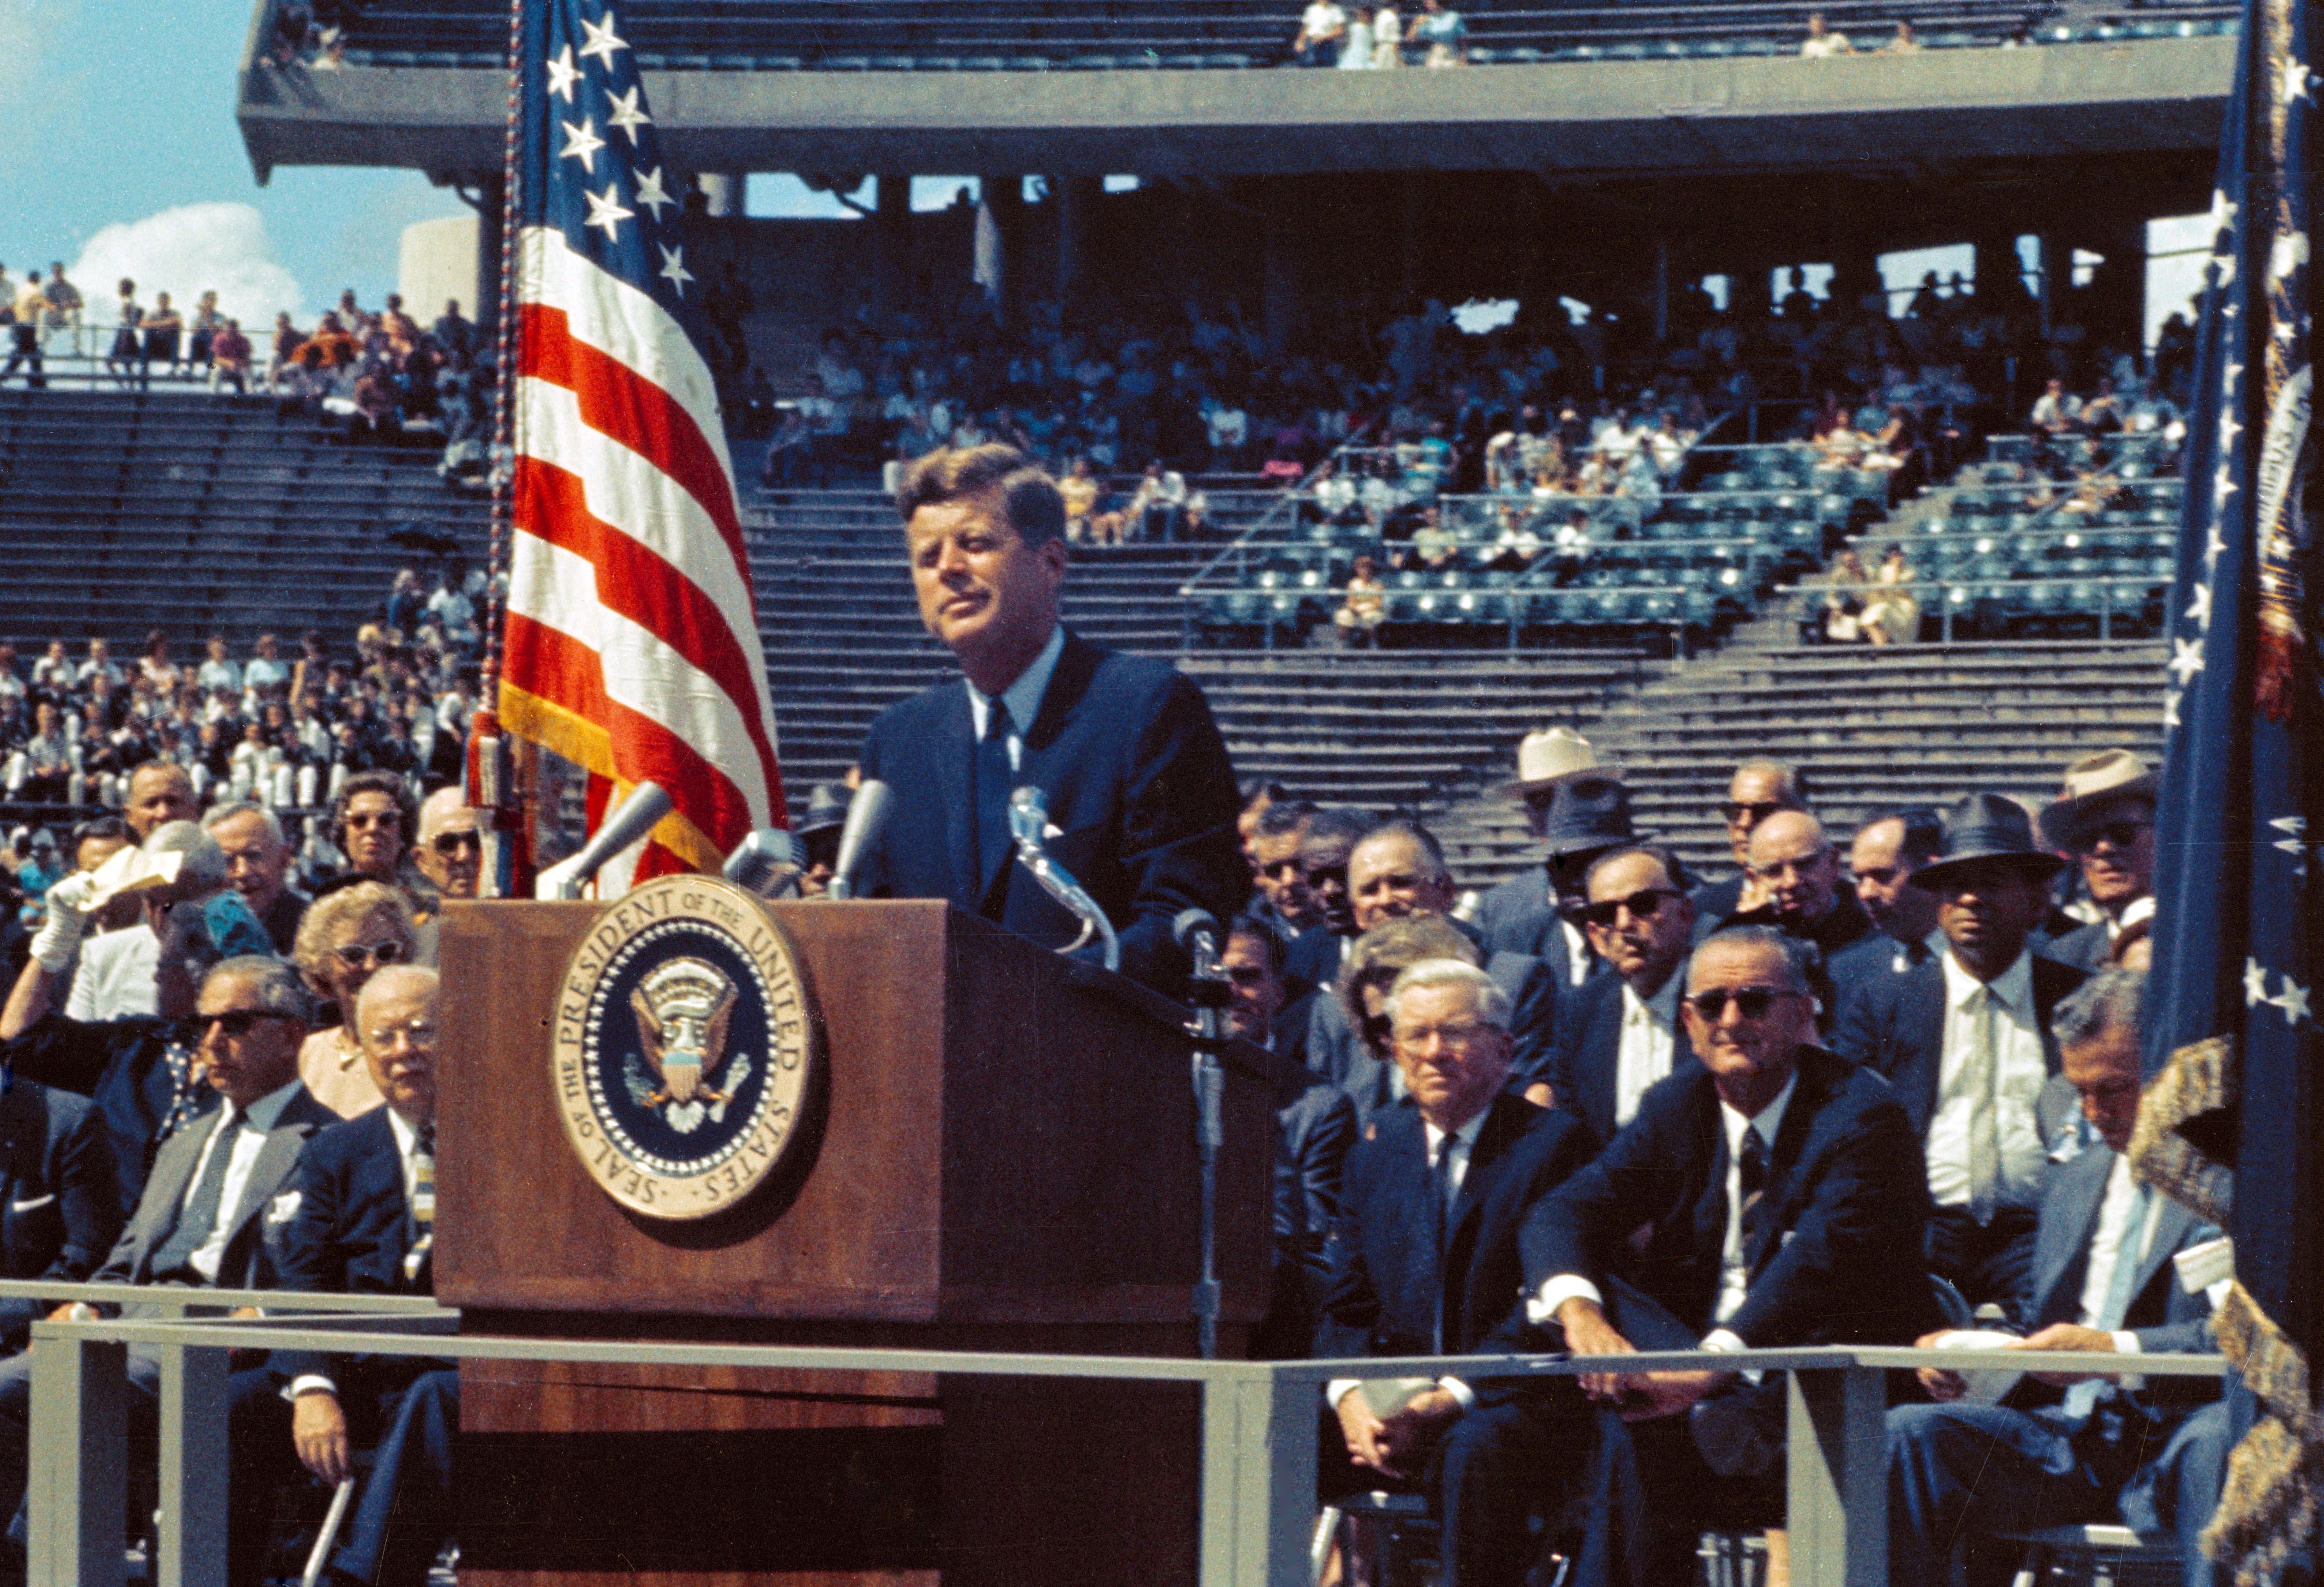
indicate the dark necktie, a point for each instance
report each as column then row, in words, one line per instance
column 199, row 1216
column 994, row 779
column 1441, row 1196
column 1751, row 1177
column 423, row 1202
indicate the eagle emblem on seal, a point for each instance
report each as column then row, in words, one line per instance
column 683, row 1007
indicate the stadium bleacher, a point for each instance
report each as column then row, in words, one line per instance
column 1185, row 35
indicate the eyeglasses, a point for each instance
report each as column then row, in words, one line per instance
column 354, row 956
column 422, row 1033
column 1645, row 902
column 2119, row 834
column 236, row 1022
column 366, row 821
column 1753, row 813
column 1753, row 1001
column 451, row 843
column 1463, row 1034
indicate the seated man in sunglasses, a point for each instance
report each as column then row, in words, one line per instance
column 142, row 1071
column 450, row 851
column 202, row 1219
column 1769, row 1195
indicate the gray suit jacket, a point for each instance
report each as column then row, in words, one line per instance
column 246, row 1264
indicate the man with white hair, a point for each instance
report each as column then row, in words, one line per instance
column 450, row 851
column 115, row 974
column 1425, row 1262
column 258, row 866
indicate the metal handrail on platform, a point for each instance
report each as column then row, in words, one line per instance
column 1258, row 1451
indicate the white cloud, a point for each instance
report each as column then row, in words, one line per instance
column 186, row 252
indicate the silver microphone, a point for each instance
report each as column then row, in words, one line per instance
column 867, row 813
column 1029, row 821
column 769, row 863
column 620, row 826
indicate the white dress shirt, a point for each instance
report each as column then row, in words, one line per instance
column 1735, row 1278
column 246, row 1145
column 2135, row 910
column 1459, row 1143
column 2107, row 1247
column 1577, row 950
column 1649, row 1041
column 2020, row 1071
column 115, row 977
column 1023, row 697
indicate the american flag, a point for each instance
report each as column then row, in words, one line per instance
column 631, row 646
column 2232, row 1026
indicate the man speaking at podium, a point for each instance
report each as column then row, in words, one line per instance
column 1141, row 799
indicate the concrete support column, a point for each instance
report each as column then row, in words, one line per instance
column 1078, row 199
column 1004, row 210
column 1409, row 196
column 2057, row 257
column 2116, row 299
column 892, row 243
column 486, row 311
column 1279, row 295
column 723, row 192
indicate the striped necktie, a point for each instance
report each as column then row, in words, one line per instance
column 423, row 1202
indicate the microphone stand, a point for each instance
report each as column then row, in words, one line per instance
column 1208, row 993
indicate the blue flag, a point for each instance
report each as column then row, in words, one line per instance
column 2231, row 1029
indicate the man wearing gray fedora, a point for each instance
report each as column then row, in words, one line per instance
column 2105, row 818
column 1966, row 1039
column 1578, row 810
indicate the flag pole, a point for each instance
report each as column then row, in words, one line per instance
column 492, row 782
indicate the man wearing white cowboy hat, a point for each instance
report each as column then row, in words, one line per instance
column 2105, row 818
column 1578, row 810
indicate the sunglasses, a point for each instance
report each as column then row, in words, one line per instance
column 1645, row 902
column 1753, row 1001
column 1753, row 813
column 365, row 822
column 236, row 1022
column 2121, row 834
column 451, row 843
column 354, row 956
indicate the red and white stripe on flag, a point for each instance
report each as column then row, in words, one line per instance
column 632, row 645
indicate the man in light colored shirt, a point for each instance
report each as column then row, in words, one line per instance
column 1966, row 1040
column 1888, row 850
column 2102, row 1449
column 1621, row 1034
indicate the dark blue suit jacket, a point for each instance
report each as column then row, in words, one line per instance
column 1841, row 1261
column 352, row 1228
column 1895, row 1025
column 1383, row 1251
column 1584, row 1066
column 1520, row 916
column 60, row 1205
column 1314, row 1132
column 1138, row 787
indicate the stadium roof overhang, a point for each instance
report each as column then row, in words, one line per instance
column 1862, row 115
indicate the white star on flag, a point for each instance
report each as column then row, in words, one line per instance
column 2230, row 375
column 2225, row 263
column 2186, row 660
column 2255, row 983
column 2293, row 1000
column 563, row 74
column 2223, row 485
column 626, row 113
column 673, row 269
column 2223, row 209
column 582, row 144
column 602, row 42
column 2296, row 80
column 2171, row 707
column 2290, row 254
column 606, row 210
column 2200, row 612
column 651, row 194
column 2228, row 430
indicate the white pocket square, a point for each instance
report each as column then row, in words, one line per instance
column 35, row 1204
column 283, row 1208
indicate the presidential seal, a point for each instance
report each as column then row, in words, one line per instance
column 684, row 1048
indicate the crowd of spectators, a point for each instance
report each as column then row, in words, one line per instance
column 1376, row 38
column 1547, row 1066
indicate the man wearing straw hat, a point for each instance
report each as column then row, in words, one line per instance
column 1577, row 811
column 2105, row 818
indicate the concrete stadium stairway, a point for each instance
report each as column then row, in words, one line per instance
column 1872, row 727
column 1379, row 728
column 121, row 512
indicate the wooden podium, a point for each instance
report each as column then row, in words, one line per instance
column 1004, row 1159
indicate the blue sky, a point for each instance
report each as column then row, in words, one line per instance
column 118, row 110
